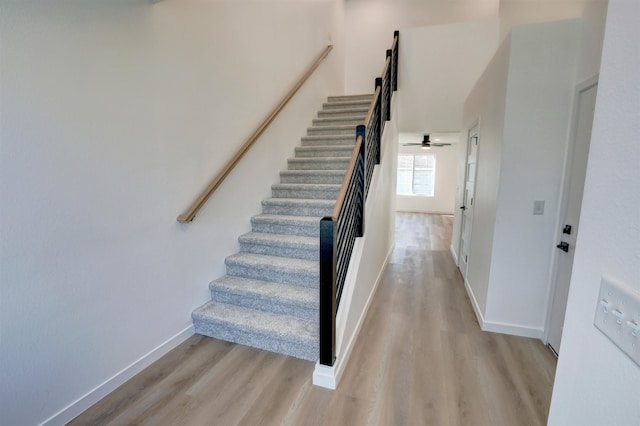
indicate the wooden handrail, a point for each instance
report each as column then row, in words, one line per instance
column 345, row 182
column 387, row 64
column 191, row 212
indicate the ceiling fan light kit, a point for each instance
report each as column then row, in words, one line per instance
column 426, row 143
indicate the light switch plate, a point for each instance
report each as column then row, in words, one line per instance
column 538, row 207
column 618, row 316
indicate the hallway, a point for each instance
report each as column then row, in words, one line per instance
column 420, row 359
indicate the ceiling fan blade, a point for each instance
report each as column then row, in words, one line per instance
column 412, row 143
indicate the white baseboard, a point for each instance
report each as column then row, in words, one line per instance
column 500, row 327
column 329, row 377
column 474, row 303
column 512, row 329
column 81, row 404
column 453, row 254
column 438, row 212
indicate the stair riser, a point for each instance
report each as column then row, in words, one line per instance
column 312, row 178
column 325, row 152
column 302, row 279
column 327, row 130
column 318, row 165
column 265, row 304
column 327, row 194
column 273, row 343
column 344, row 112
column 338, row 122
column 325, row 141
column 272, row 250
column 345, row 105
column 271, row 227
column 351, row 98
column 296, row 210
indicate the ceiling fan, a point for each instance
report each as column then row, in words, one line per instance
column 426, row 143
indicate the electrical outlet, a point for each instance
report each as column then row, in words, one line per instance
column 618, row 316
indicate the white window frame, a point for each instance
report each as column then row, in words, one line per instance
column 412, row 171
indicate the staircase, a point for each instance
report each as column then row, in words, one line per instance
column 269, row 297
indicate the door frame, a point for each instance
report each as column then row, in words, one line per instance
column 474, row 124
column 563, row 201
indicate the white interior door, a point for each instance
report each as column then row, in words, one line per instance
column 468, row 199
column 571, row 205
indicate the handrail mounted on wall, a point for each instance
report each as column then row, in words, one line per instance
column 195, row 207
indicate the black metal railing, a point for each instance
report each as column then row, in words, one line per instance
column 386, row 89
column 372, row 131
column 394, row 60
column 339, row 231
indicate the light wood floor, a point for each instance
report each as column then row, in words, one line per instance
column 421, row 359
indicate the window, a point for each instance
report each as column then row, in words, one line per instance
column 416, row 174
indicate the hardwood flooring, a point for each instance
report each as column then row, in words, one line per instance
column 420, row 359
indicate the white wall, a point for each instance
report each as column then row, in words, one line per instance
column 438, row 66
column 518, row 12
column 486, row 106
column 594, row 16
column 115, row 114
column 596, row 383
column 445, row 189
column 540, row 87
column 522, row 103
column 370, row 25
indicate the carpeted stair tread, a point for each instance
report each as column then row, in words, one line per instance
column 280, row 240
column 306, row 190
column 334, row 129
column 300, row 302
column 318, row 163
column 263, row 330
column 352, row 120
column 312, row 176
column 356, row 111
column 346, row 104
column 282, row 245
column 324, row 140
column 356, row 97
column 319, row 151
column 297, row 206
column 284, row 270
column 308, row 226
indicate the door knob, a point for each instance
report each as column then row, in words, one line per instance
column 463, row 208
column 563, row 246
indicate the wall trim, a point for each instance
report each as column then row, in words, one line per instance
column 72, row 410
column 474, row 303
column 454, row 255
column 512, row 329
column 439, row 212
column 329, row 377
column 501, row 327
